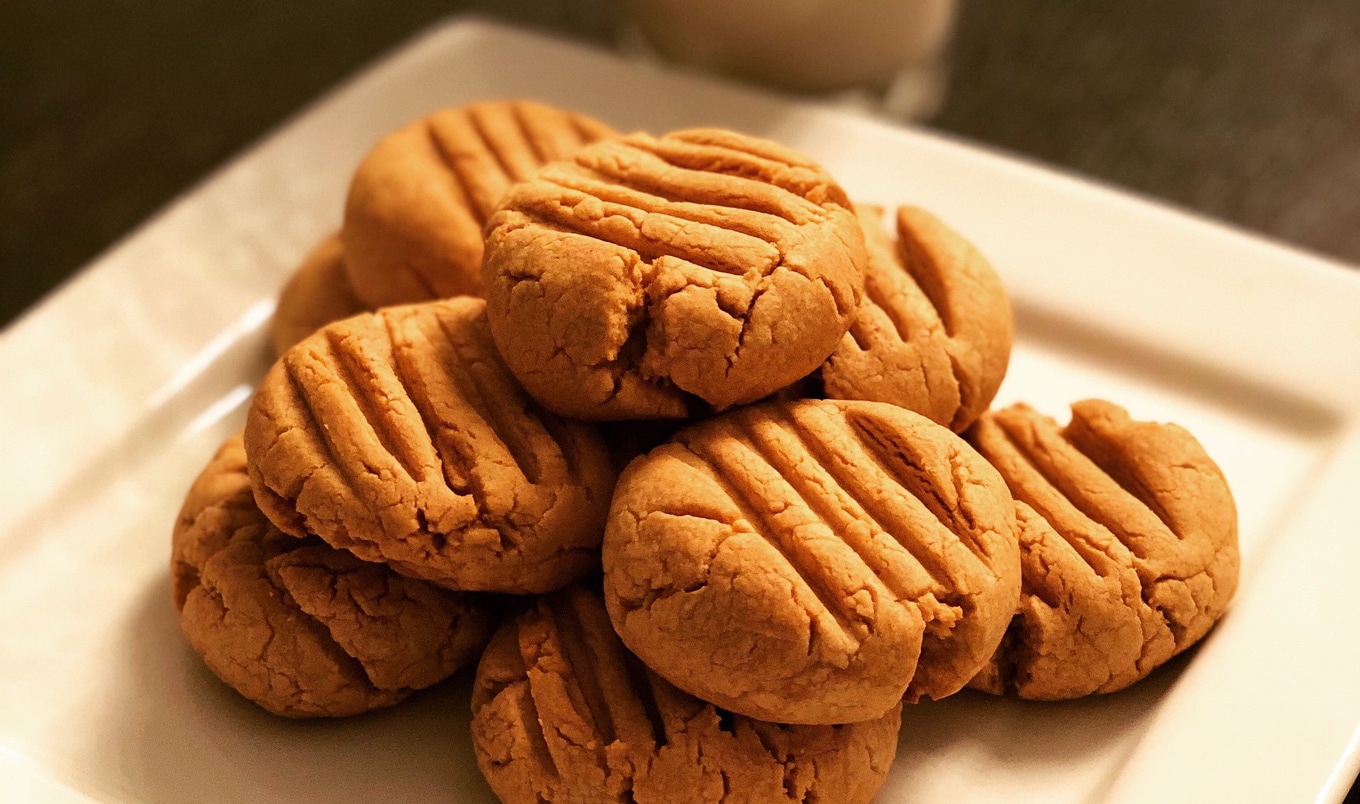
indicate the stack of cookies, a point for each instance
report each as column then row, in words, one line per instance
column 693, row 453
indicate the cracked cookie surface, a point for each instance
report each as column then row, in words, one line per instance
column 1128, row 547
column 646, row 270
column 401, row 437
column 562, row 712
column 810, row 562
column 419, row 200
column 933, row 333
column 298, row 627
column 316, row 294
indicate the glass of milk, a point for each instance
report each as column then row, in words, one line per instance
column 888, row 54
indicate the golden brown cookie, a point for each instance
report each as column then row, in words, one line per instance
column 646, row 269
column 401, row 437
column 562, row 712
column 934, row 332
column 317, row 294
column 300, row 628
column 417, row 204
column 1128, row 547
column 805, row 562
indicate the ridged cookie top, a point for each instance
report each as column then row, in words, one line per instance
column 419, row 200
column 645, row 269
column 933, row 334
column 562, row 712
column 792, row 561
column 300, row 628
column 400, row 437
column 1130, row 548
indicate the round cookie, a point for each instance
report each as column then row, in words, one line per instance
column 316, row 294
column 810, row 562
column 644, row 271
column 419, row 200
column 1128, row 547
column 562, row 712
column 300, row 628
column 400, row 437
column 933, row 334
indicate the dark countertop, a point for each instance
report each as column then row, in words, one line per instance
column 1245, row 110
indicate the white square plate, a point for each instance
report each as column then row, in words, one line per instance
column 118, row 388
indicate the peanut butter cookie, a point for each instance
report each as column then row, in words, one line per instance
column 1128, row 546
column 300, row 628
column 317, row 294
column 417, row 204
column 810, row 562
column 934, row 332
column 401, row 437
column 562, row 712
column 645, row 269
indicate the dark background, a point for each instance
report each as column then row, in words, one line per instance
column 1246, row 110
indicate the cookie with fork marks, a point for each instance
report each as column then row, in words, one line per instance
column 562, row 712
column 401, row 437
column 649, row 275
column 1128, row 543
column 811, row 562
column 418, row 202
